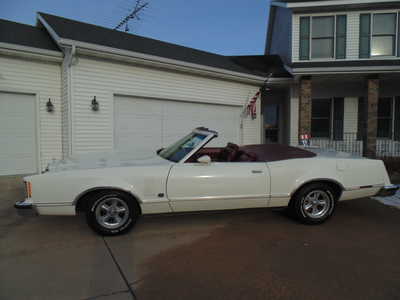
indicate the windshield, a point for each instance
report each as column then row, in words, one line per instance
column 181, row 148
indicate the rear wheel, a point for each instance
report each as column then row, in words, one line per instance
column 112, row 212
column 314, row 203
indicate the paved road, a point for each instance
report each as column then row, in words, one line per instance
column 258, row 254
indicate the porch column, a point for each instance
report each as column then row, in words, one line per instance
column 305, row 105
column 369, row 145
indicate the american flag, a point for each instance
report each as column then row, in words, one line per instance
column 252, row 107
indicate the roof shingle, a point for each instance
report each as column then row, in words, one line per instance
column 89, row 33
column 25, row 35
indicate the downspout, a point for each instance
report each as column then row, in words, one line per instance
column 71, row 62
column 72, row 56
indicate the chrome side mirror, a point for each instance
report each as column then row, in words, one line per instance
column 205, row 160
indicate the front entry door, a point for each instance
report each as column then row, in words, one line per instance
column 271, row 123
column 218, row 185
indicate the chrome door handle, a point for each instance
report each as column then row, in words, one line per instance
column 256, row 171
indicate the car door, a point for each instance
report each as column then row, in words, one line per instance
column 218, row 185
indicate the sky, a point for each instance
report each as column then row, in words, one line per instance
column 227, row 27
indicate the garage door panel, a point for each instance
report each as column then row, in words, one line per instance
column 17, row 134
column 144, row 125
column 222, row 118
column 137, row 126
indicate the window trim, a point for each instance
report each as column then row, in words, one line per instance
column 372, row 35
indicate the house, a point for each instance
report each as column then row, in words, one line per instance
column 68, row 88
column 344, row 56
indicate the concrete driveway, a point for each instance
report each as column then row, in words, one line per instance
column 257, row 254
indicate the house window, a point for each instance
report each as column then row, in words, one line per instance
column 327, row 118
column 378, row 34
column 385, row 117
column 384, row 35
column 323, row 37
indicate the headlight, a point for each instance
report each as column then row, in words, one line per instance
column 28, row 189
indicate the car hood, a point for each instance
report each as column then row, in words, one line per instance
column 103, row 160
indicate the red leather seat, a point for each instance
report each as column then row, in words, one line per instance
column 229, row 153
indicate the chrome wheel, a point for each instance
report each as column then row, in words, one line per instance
column 112, row 212
column 316, row 204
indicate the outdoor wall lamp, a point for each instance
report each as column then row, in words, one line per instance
column 95, row 104
column 49, row 106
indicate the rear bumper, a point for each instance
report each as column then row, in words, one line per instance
column 24, row 204
column 387, row 190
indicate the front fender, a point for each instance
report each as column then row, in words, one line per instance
column 66, row 188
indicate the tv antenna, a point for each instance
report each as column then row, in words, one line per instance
column 134, row 14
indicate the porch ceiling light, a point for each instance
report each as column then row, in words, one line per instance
column 95, row 104
column 49, row 106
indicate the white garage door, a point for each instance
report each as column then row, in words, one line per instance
column 144, row 125
column 17, row 134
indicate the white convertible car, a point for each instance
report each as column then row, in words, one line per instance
column 187, row 176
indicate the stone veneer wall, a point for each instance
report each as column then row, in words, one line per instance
column 305, row 106
column 372, row 118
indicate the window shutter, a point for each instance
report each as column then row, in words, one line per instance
column 361, row 119
column 365, row 36
column 304, row 38
column 397, row 119
column 338, row 111
column 341, row 25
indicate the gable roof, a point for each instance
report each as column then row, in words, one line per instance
column 97, row 35
column 25, row 35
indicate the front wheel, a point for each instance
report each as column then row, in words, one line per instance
column 111, row 213
column 314, row 203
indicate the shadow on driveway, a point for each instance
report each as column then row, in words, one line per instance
column 254, row 254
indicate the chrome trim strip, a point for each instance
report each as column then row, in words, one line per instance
column 229, row 197
column 54, row 204
column 354, row 188
column 279, row 196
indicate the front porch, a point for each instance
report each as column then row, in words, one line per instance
column 359, row 114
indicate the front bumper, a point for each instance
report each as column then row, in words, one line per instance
column 388, row 190
column 24, row 204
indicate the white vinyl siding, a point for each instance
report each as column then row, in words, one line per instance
column 43, row 80
column 94, row 131
column 353, row 36
column 353, row 30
